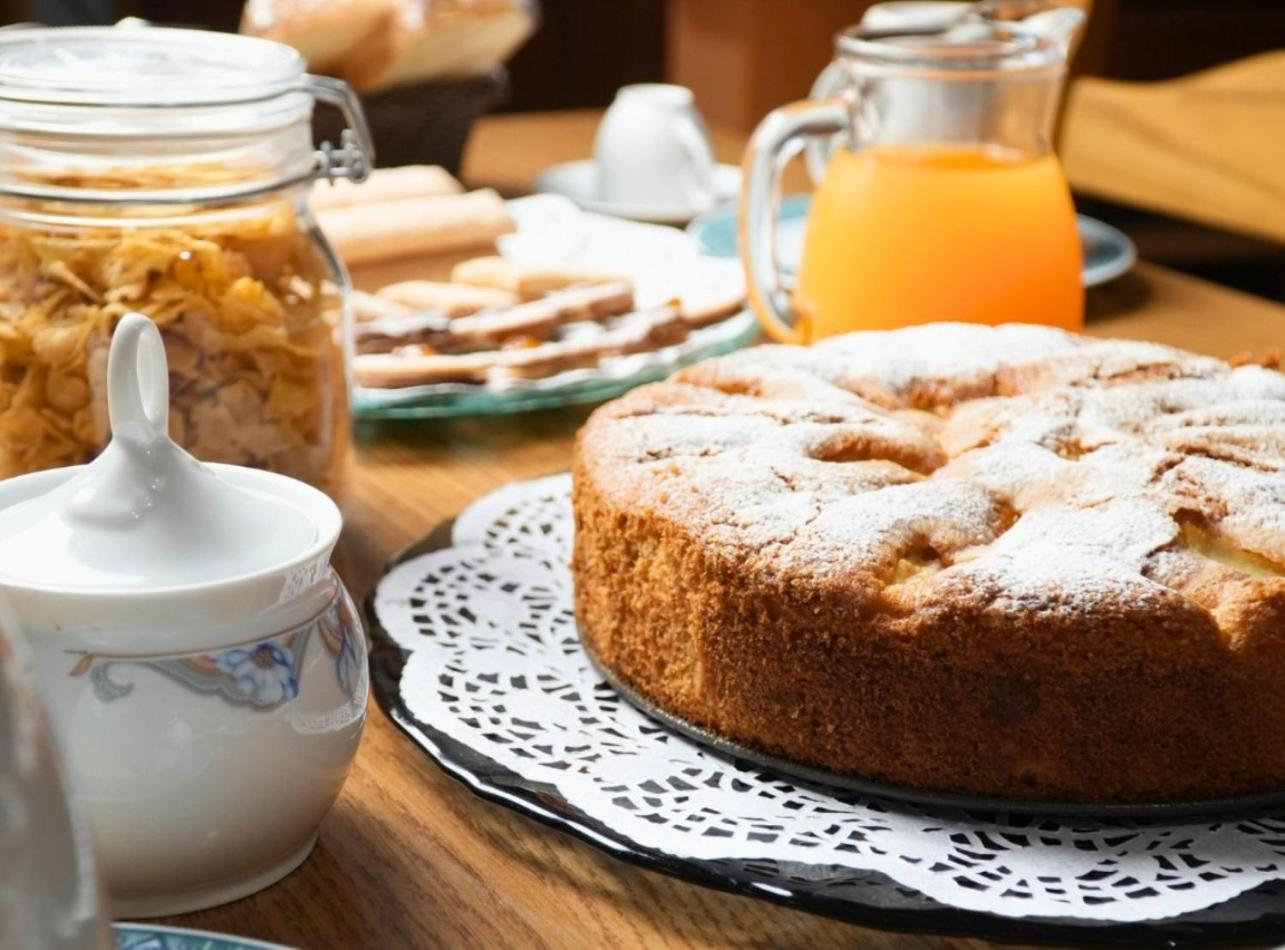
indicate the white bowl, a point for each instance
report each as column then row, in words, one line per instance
column 207, row 728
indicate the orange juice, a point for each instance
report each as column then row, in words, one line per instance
column 899, row 235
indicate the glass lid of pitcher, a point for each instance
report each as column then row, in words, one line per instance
column 1010, row 35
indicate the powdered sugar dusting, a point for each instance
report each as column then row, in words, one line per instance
column 1044, row 461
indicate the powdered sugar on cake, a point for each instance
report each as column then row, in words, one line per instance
column 1019, row 458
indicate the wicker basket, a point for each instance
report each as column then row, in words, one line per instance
column 422, row 124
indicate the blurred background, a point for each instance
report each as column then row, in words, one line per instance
column 743, row 57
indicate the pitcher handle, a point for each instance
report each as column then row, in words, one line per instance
column 834, row 80
column 765, row 157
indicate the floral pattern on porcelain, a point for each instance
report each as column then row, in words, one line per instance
column 265, row 672
column 262, row 675
column 338, row 627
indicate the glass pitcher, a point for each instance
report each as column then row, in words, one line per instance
column 938, row 195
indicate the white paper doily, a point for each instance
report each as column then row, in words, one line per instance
column 494, row 662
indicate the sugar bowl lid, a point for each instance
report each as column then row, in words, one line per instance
column 145, row 514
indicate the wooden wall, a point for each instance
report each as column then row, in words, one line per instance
column 745, row 57
column 587, row 49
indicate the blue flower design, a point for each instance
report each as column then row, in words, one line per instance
column 339, row 632
column 263, row 673
column 346, row 665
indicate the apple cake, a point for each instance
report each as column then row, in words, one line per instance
column 1002, row 561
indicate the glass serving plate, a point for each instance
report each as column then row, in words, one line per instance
column 663, row 263
column 607, row 380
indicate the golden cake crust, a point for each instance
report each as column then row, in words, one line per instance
column 1004, row 561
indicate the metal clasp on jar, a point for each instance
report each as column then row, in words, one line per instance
column 354, row 157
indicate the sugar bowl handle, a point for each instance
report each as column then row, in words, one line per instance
column 138, row 382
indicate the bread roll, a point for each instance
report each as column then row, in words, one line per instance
column 386, row 184
column 372, row 232
column 438, row 40
column 324, row 31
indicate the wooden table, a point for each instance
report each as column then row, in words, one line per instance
column 408, row 857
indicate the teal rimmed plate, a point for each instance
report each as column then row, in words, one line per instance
column 1108, row 252
column 157, row 937
column 609, row 379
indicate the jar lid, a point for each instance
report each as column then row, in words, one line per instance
column 145, row 515
column 143, row 66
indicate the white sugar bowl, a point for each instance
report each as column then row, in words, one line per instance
column 203, row 665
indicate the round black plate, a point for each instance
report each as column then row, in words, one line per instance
column 1255, row 804
column 867, row 898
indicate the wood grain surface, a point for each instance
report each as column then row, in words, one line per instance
column 409, row 858
column 1209, row 146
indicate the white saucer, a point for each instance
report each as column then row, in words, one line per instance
column 579, row 182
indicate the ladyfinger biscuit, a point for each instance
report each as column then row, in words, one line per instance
column 402, row 369
column 633, row 333
column 711, row 309
column 455, row 300
column 534, row 320
column 386, row 184
column 421, row 327
column 368, row 307
column 538, row 319
column 372, row 232
column 528, row 281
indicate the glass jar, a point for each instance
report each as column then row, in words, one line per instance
column 167, row 172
